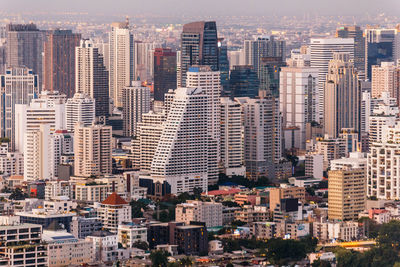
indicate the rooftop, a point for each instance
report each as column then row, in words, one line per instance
column 114, row 199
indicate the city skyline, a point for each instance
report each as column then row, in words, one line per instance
column 198, row 8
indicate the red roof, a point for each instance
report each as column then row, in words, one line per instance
column 231, row 191
column 114, row 199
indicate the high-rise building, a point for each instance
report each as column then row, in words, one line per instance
column 342, row 96
column 243, row 82
column 199, row 46
column 18, row 86
column 92, row 148
column 164, row 72
column 37, row 154
column 232, row 137
column 223, row 66
column 208, row 81
column 135, row 102
column 181, row 157
column 38, row 112
column 80, row 108
column 356, row 33
column 379, row 47
column 385, row 78
column 298, row 103
column 268, row 75
column 322, row 51
column 258, row 136
column 383, row 177
column 265, row 46
column 144, row 60
column 59, row 61
column 121, row 60
column 346, row 198
column 91, row 77
column 113, row 211
column 25, row 48
column 148, row 133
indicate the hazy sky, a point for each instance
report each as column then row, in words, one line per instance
column 207, row 7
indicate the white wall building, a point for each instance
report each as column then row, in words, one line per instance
column 181, row 157
column 80, row 108
column 321, row 53
column 129, row 234
column 198, row 211
column 232, row 137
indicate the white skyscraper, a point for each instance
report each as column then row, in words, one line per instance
column 121, row 60
column 181, row 157
column 232, row 139
column 135, row 102
column 383, row 176
column 37, row 154
column 258, row 136
column 298, row 103
column 208, row 81
column 19, row 86
column 31, row 117
column 80, row 108
column 321, row 53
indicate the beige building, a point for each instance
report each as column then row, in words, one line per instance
column 66, row 250
column 385, row 78
column 114, row 211
column 95, row 192
column 277, row 194
column 346, row 193
column 129, row 234
column 198, row 211
column 92, row 148
column 250, row 214
column 342, row 96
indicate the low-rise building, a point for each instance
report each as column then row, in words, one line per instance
column 263, row 230
column 197, row 211
column 130, row 233
column 250, row 214
column 46, row 217
column 104, row 246
column 82, row 227
column 277, row 194
column 21, row 245
column 65, row 249
column 114, row 211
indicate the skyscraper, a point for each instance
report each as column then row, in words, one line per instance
column 25, row 47
column 243, row 82
column 59, row 61
column 321, row 53
column 18, row 86
column 37, row 153
column 356, row 33
column 379, row 47
column 232, row 147
column 181, row 157
column 268, row 75
column 199, row 46
column 164, row 72
column 223, row 66
column 264, row 46
column 298, row 102
column 80, row 108
column 386, row 78
column 258, row 136
column 92, row 148
column 144, row 60
column 135, row 102
column 121, row 60
column 38, row 112
column 92, row 76
column 202, row 77
column 342, row 96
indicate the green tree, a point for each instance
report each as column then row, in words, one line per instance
column 197, row 192
column 137, row 208
column 159, row 258
column 319, row 263
column 281, row 252
column 389, row 235
column 17, row 194
column 186, row 261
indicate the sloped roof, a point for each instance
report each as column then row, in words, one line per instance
column 114, row 199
